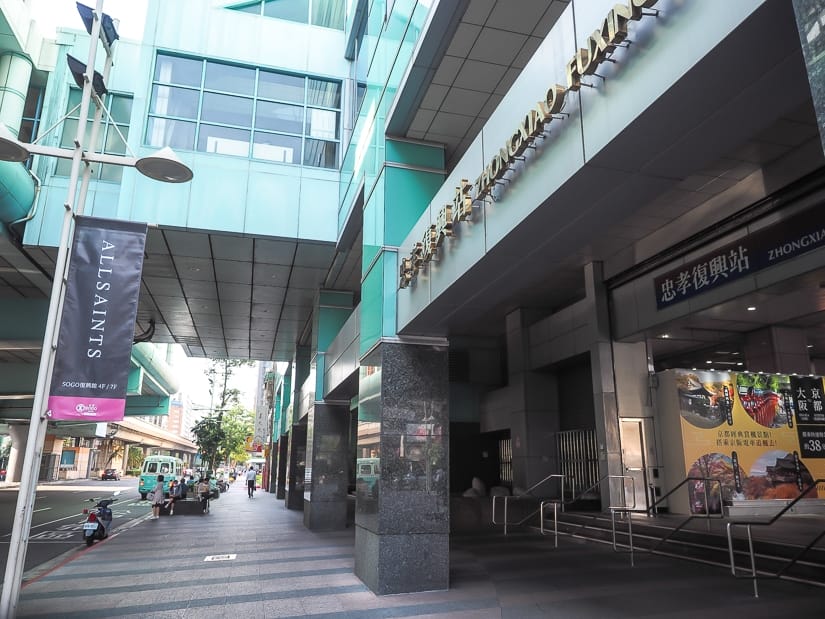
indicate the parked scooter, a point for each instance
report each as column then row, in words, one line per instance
column 99, row 520
column 222, row 485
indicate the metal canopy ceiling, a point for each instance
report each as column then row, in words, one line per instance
column 488, row 47
column 229, row 296
column 222, row 295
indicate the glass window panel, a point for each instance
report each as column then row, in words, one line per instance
column 32, row 99
column 281, row 86
column 223, row 140
column 321, row 154
column 74, row 100
column 329, row 13
column 111, row 173
column 226, row 109
column 323, row 124
column 279, row 117
column 324, row 93
column 167, row 132
column 114, row 144
column 26, row 129
column 254, row 7
column 170, row 101
column 275, row 147
column 292, row 10
column 229, row 79
column 121, row 109
column 69, row 133
column 63, row 167
column 175, row 70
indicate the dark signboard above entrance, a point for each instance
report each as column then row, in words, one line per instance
column 764, row 248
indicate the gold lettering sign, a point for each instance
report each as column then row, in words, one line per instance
column 585, row 61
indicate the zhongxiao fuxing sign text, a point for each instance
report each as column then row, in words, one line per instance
column 771, row 245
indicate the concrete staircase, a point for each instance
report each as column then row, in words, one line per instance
column 705, row 541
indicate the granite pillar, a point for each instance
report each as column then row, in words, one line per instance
column 296, row 466
column 327, row 472
column 402, row 490
column 534, row 420
column 606, row 407
column 283, row 458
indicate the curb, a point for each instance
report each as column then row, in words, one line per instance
column 39, row 571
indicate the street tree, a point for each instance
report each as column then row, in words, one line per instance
column 215, row 439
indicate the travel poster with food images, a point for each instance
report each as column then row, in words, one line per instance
column 761, row 435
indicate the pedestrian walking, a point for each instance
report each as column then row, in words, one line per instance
column 157, row 498
column 250, row 481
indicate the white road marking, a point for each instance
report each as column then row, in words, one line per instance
column 42, row 509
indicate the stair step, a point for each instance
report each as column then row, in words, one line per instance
column 698, row 545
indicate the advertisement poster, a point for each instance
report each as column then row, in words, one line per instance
column 762, row 436
column 97, row 327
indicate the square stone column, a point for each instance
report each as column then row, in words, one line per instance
column 283, row 458
column 296, row 466
column 402, row 518
column 327, row 473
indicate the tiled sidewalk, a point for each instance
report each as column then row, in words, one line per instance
column 157, row 569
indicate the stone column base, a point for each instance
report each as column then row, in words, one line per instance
column 402, row 563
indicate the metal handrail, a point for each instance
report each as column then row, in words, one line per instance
column 766, row 523
column 612, row 509
column 528, row 495
column 556, row 503
column 628, row 508
column 707, row 515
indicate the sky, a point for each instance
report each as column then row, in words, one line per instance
column 194, row 383
column 49, row 14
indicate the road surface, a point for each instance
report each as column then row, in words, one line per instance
column 58, row 519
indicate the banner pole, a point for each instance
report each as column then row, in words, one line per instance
column 21, row 529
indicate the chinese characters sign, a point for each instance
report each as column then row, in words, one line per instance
column 807, row 396
column 759, row 436
column 764, row 248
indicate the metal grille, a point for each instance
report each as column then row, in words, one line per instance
column 579, row 457
column 505, row 460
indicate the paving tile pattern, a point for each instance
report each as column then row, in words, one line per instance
column 157, row 569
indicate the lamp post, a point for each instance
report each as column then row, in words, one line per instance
column 163, row 166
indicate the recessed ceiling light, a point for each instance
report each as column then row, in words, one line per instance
column 665, row 336
column 810, row 345
column 751, row 308
column 740, row 363
column 694, row 369
column 708, row 361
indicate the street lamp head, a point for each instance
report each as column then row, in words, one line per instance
column 11, row 149
column 164, row 166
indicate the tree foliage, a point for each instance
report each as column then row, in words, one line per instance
column 134, row 459
column 217, row 434
column 222, row 436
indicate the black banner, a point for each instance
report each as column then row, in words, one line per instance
column 94, row 346
column 771, row 245
column 809, row 407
